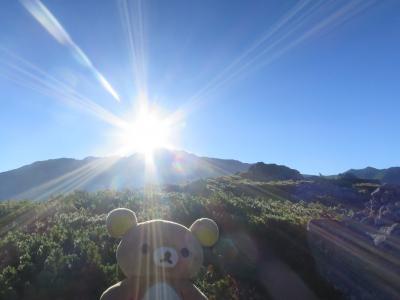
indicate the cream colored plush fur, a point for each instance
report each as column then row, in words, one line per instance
column 159, row 258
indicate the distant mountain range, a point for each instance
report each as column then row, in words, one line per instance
column 390, row 175
column 42, row 179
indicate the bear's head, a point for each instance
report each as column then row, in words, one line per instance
column 158, row 247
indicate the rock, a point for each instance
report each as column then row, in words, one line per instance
column 379, row 239
column 389, row 215
column 360, row 215
column 379, row 221
column 388, row 240
column 394, row 230
column 384, row 205
column 361, row 255
column 385, row 217
column 387, row 193
column 347, row 257
column 369, row 220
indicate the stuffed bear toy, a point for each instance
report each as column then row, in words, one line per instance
column 159, row 258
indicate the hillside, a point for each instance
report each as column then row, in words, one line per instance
column 331, row 237
column 43, row 179
column 270, row 172
column 351, row 193
column 389, row 175
column 274, row 234
column 60, row 249
column 355, row 243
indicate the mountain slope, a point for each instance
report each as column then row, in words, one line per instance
column 390, row 175
column 270, row 172
column 327, row 238
column 45, row 178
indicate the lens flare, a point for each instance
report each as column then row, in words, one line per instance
column 49, row 22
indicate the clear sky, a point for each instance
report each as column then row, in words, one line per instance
column 312, row 85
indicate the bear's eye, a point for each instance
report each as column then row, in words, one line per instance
column 145, row 248
column 185, row 252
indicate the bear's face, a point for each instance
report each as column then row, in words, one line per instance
column 160, row 248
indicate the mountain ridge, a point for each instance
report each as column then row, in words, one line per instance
column 388, row 175
column 41, row 179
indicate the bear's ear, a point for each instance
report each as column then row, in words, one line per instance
column 206, row 231
column 119, row 221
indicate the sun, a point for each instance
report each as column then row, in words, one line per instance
column 145, row 132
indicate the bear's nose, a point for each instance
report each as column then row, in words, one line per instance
column 165, row 257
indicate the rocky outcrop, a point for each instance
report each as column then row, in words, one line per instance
column 271, row 172
column 347, row 256
column 361, row 255
column 383, row 207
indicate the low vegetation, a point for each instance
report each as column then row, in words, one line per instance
column 60, row 249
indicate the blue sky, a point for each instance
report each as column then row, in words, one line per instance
column 326, row 103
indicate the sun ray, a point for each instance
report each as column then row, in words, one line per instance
column 31, row 76
column 132, row 21
column 306, row 20
column 70, row 181
column 49, row 22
